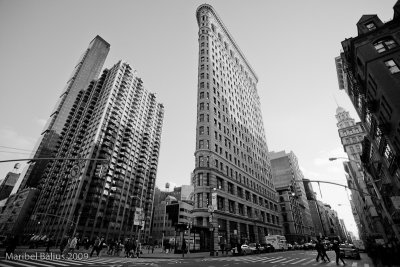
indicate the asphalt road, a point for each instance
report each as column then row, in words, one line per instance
column 290, row 258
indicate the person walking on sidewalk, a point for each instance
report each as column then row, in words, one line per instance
column 183, row 248
column 336, row 248
column 96, row 246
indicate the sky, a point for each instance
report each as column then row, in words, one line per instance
column 290, row 44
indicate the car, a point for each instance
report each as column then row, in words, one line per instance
column 308, row 246
column 349, row 251
column 246, row 249
column 267, row 248
column 254, row 248
column 289, row 246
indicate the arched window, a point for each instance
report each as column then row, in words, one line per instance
column 384, row 44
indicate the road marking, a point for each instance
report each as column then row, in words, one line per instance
column 354, row 264
column 305, row 263
column 57, row 262
column 290, row 260
column 271, row 259
column 279, row 260
column 298, row 261
column 5, row 265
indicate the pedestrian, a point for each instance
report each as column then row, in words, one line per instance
column 63, row 244
column 49, row 243
column 72, row 244
column 128, row 248
column 96, row 246
column 222, row 245
column 183, row 248
column 323, row 253
column 336, row 248
column 152, row 249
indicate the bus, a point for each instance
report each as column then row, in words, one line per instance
column 277, row 241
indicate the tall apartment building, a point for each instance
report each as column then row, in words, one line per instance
column 288, row 179
column 114, row 118
column 88, row 68
column 231, row 149
column 370, row 62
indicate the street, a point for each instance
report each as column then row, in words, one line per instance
column 288, row 258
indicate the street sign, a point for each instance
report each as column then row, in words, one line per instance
column 75, row 171
column 210, row 208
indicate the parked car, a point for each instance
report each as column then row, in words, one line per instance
column 308, row 246
column 254, row 248
column 349, row 251
column 289, row 246
column 246, row 249
column 267, row 248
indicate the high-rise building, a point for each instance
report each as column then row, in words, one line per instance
column 88, row 68
column 352, row 135
column 114, row 118
column 288, row 179
column 370, row 62
column 231, row 150
column 8, row 184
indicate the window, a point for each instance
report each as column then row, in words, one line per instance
column 230, row 188
column 384, row 45
column 220, row 203
column 370, row 26
column 220, row 183
column 201, row 130
column 392, row 66
column 201, row 144
column 241, row 209
column 201, row 117
column 232, row 206
column 200, row 179
column 199, row 200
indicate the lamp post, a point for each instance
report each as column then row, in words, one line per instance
column 165, row 215
column 211, row 208
column 379, row 197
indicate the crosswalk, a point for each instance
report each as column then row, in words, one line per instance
column 284, row 261
column 110, row 262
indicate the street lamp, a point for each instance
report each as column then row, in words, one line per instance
column 165, row 215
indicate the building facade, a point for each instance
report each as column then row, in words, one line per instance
column 15, row 213
column 88, row 68
column 288, row 179
column 115, row 119
column 370, row 62
column 8, row 184
column 231, row 154
column 352, row 135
